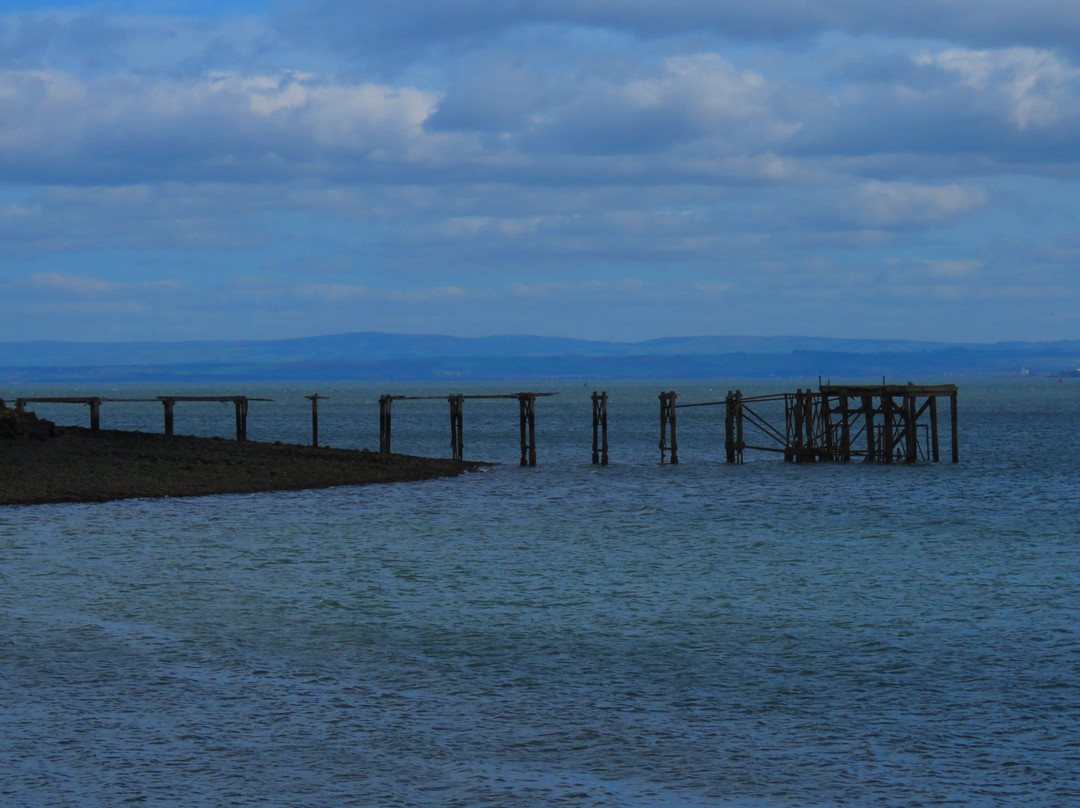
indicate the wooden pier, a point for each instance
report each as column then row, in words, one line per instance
column 168, row 402
column 882, row 423
column 877, row 423
column 526, row 420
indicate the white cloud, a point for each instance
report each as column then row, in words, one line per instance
column 888, row 205
column 1035, row 85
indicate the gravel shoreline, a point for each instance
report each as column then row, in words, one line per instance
column 80, row 465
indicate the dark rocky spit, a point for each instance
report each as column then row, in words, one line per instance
column 42, row 463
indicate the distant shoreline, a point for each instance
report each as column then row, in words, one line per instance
column 80, row 465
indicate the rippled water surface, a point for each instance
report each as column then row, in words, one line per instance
column 636, row 635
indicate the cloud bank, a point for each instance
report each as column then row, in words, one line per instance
column 594, row 169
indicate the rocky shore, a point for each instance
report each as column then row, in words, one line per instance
column 40, row 463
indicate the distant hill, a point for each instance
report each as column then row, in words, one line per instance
column 371, row 356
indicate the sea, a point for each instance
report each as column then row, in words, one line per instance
column 641, row 634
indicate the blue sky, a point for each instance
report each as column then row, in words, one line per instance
column 602, row 169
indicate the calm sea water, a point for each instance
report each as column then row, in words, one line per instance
column 637, row 635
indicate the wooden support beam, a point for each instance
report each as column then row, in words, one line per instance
column 168, row 404
column 667, row 420
column 955, row 429
column 911, row 448
column 457, row 425
column 527, row 419
column 241, row 405
column 599, row 428
column 385, row 406
column 845, row 429
column 868, row 418
column 935, row 444
column 314, row 399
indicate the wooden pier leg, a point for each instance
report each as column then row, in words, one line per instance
column 729, row 426
column 95, row 414
column 868, row 417
column 457, row 423
column 522, row 418
column 825, row 419
column 887, row 427
column 385, row 403
column 168, row 403
column 935, row 444
column 795, row 432
column 955, row 425
column 603, row 429
column 314, row 399
column 912, row 442
column 596, row 428
column 241, row 418
column 599, row 432
column 667, row 421
column 845, row 430
column 740, row 444
column 532, row 430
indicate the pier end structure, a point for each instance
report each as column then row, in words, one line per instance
column 878, row 423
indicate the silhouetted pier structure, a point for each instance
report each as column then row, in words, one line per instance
column 885, row 423
column 599, row 428
column 878, row 423
column 526, row 420
column 168, row 402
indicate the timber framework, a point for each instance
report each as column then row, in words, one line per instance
column 886, row 423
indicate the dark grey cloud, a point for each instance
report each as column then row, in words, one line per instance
column 419, row 23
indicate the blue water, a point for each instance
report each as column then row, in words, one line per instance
column 637, row 635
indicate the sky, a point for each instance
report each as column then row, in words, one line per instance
column 602, row 169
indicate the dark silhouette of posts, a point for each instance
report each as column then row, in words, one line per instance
column 385, row 422
column 599, row 428
column 457, row 425
column 733, row 427
column 168, row 404
column 314, row 399
column 93, row 402
column 667, row 420
column 955, row 432
column 527, row 419
column 240, row 403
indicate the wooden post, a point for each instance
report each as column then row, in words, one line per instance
column 599, row 429
column 20, row 405
column 740, row 444
column 457, row 425
column 168, row 403
column 955, row 432
column 314, row 399
column 95, row 413
column 845, row 429
column 385, row 403
column 241, row 404
column 825, row 420
column 667, row 419
column 729, row 426
column 935, row 444
column 887, row 427
column 868, row 416
column 532, row 430
column 912, row 448
column 527, row 420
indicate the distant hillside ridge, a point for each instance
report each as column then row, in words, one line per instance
column 380, row 356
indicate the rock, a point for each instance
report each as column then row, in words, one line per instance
column 15, row 425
